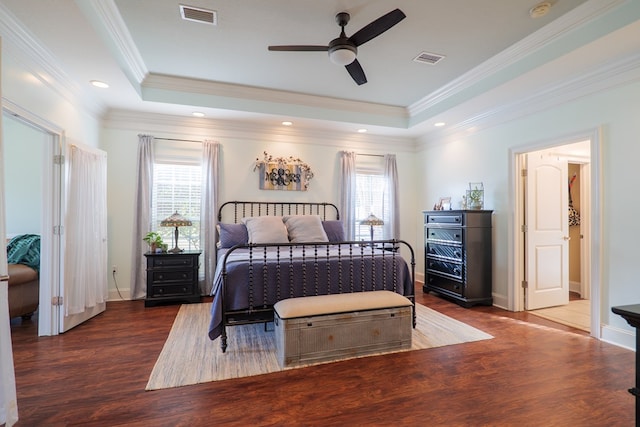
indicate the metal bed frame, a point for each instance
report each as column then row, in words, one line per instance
column 313, row 254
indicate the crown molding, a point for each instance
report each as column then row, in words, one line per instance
column 239, row 131
column 205, row 93
column 105, row 13
column 583, row 14
column 21, row 44
column 608, row 76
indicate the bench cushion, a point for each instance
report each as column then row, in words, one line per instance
column 339, row 303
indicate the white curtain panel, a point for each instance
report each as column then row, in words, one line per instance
column 141, row 215
column 391, row 226
column 85, row 269
column 8, row 400
column 208, row 211
column 348, row 192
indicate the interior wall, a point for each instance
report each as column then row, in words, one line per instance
column 449, row 164
column 239, row 181
column 23, row 171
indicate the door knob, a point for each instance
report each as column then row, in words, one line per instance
column 566, row 238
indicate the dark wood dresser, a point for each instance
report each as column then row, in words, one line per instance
column 457, row 255
column 172, row 277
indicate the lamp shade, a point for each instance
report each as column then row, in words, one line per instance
column 175, row 220
column 372, row 220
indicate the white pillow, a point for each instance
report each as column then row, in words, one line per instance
column 305, row 228
column 266, row 229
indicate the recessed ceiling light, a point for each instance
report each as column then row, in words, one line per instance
column 439, row 124
column 539, row 10
column 287, row 123
column 98, row 83
column 197, row 114
column 363, row 130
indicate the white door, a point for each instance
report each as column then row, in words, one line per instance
column 547, row 237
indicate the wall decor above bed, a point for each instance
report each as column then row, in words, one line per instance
column 283, row 173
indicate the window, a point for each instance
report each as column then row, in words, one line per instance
column 370, row 188
column 176, row 188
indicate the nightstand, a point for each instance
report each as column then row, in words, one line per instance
column 172, row 278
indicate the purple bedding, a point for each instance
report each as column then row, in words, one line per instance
column 301, row 270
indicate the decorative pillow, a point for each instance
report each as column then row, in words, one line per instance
column 266, row 229
column 232, row 234
column 334, row 230
column 305, row 228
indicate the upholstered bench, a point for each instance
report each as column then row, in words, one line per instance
column 328, row 327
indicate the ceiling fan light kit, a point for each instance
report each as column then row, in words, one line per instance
column 344, row 50
column 342, row 54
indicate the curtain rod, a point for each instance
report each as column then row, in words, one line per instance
column 179, row 140
column 370, row 155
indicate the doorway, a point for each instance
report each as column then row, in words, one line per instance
column 580, row 154
column 33, row 204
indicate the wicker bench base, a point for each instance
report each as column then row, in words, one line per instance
column 329, row 327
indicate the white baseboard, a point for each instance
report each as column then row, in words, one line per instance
column 500, row 301
column 620, row 337
column 124, row 295
column 575, row 287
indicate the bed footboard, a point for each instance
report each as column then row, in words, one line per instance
column 252, row 278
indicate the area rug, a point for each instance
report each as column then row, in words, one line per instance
column 190, row 357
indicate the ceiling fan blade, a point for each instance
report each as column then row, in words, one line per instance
column 302, row 48
column 356, row 72
column 377, row 27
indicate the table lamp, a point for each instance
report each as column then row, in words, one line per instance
column 372, row 220
column 176, row 220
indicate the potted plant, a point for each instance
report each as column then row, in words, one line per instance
column 475, row 199
column 155, row 241
column 475, row 195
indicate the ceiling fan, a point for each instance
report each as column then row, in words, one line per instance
column 343, row 50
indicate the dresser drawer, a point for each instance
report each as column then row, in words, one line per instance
column 170, row 290
column 172, row 261
column 449, row 268
column 443, row 219
column 444, row 234
column 437, row 283
column 168, row 276
column 446, row 251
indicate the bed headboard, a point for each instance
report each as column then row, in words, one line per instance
column 234, row 211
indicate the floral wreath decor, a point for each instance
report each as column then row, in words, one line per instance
column 283, row 173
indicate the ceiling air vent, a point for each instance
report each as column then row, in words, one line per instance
column 429, row 58
column 205, row 16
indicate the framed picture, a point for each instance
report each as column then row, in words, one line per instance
column 444, row 204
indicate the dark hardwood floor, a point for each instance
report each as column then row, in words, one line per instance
column 533, row 373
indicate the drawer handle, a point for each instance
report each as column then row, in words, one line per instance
column 456, row 270
column 457, row 236
column 160, row 276
column 184, row 275
column 457, row 254
column 457, row 219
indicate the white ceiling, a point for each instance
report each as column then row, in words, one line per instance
column 157, row 62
